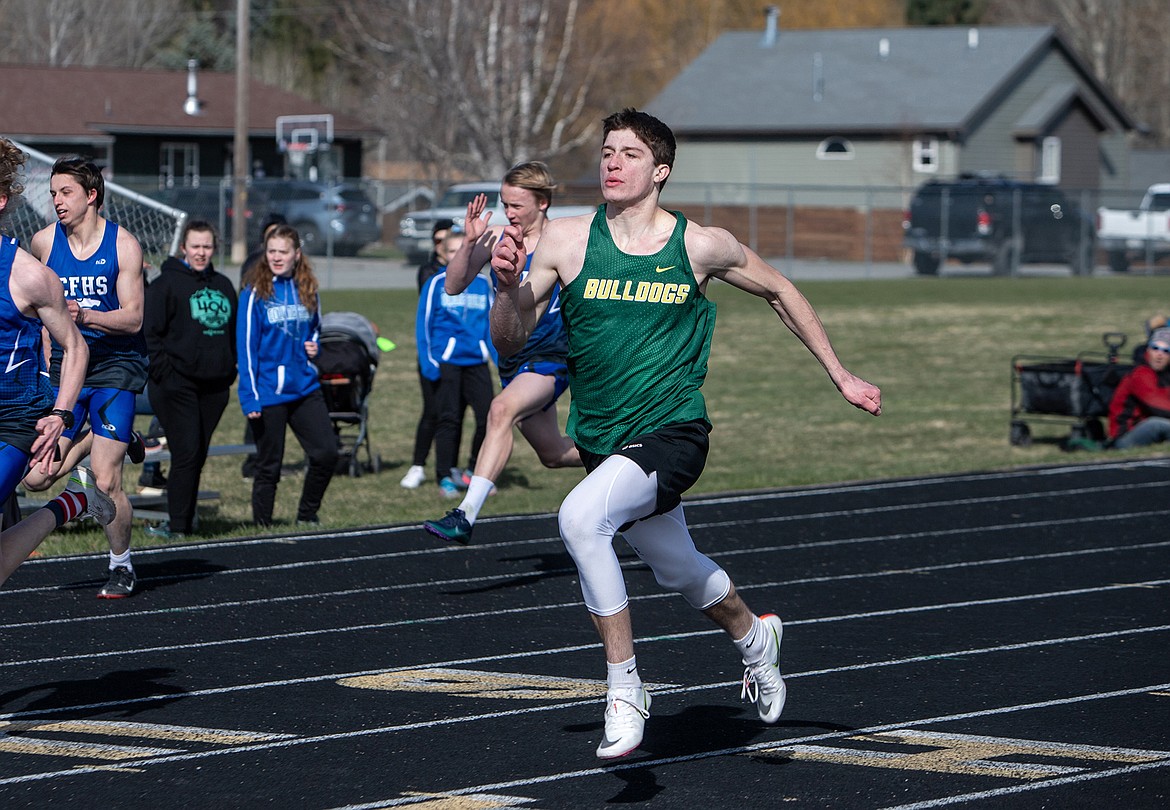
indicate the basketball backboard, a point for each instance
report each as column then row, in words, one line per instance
column 304, row 133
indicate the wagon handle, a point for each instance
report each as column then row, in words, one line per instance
column 1113, row 342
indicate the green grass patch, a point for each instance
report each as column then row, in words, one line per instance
column 940, row 349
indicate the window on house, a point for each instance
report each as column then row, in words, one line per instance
column 926, row 155
column 178, row 165
column 835, row 149
column 1050, row 160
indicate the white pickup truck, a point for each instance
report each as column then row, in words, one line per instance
column 1142, row 234
column 414, row 230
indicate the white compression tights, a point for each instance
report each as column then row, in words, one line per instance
column 614, row 494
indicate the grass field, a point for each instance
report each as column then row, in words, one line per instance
column 941, row 350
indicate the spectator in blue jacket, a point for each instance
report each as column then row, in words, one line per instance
column 424, row 433
column 454, row 349
column 276, row 340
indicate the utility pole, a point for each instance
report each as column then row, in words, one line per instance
column 241, row 162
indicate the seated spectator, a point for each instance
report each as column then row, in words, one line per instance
column 152, row 480
column 1139, row 413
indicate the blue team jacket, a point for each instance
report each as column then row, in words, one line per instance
column 454, row 329
column 270, row 347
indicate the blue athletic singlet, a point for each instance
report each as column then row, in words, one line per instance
column 25, row 393
column 547, row 341
column 115, row 361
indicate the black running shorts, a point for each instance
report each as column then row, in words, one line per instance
column 678, row 453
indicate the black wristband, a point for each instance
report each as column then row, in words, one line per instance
column 66, row 416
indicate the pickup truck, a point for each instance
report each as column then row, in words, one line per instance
column 1144, row 233
column 414, row 230
column 982, row 218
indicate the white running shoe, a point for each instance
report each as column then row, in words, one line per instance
column 98, row 504
column 413, row 478
column 762, row 683
column 626, row 711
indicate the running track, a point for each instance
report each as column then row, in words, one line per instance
column 984, row 640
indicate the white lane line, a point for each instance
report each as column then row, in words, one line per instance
column 501, row 658
column 949, row 504
column 699, row 501
column 651, row 763
column 942, row 480
column 1014, row 526
column 550, row 651
column 1001, row 600
column 573, row 604
column 1046, row 784
column 629, row 564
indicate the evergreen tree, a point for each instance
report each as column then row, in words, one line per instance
column 201, row 39
column 945, row 12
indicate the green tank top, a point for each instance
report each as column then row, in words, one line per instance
column 639, row 337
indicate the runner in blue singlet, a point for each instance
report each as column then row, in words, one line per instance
column 100, row 268
column 534, row 377
column 32, row 415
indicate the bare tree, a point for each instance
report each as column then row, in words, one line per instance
column 124, row 33
column 1124, row 41
column 475, row 86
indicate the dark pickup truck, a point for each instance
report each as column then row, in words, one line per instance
column 1002, row 222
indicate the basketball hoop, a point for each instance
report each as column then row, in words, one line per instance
column 301, row 135
column 296, row 151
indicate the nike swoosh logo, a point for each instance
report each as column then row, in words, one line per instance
column 631, row 669
column 664, row 269
column 13, row 366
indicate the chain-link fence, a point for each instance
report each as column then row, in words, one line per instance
column 786, row 223
column 870, row 225
column 333, row 219
column 157, row 227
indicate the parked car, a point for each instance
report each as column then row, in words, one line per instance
column 414, row 230
column 323, row 213
column 1143, row 233
column 999, row 221
column 213, row 202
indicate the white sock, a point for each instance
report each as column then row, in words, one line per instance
column 477, row 492
column 121, row 559
column 751, row 651
column 623, row 675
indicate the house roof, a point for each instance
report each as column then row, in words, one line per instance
column 92, row 103
column 1050, row 105
column 934, row 79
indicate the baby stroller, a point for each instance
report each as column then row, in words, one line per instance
column 346, row 364
column 1067, row 388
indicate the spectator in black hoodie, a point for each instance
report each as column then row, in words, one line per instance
column 190, row 328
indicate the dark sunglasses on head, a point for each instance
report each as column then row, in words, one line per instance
column 1158, row 347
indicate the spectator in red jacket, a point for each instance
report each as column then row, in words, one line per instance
column 1140, row 411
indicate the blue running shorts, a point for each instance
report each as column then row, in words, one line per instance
column 559, row 371
column 110, row 412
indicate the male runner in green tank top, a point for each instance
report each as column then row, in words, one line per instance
column 632, row 281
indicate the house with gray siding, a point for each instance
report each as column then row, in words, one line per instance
column 814, row 121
